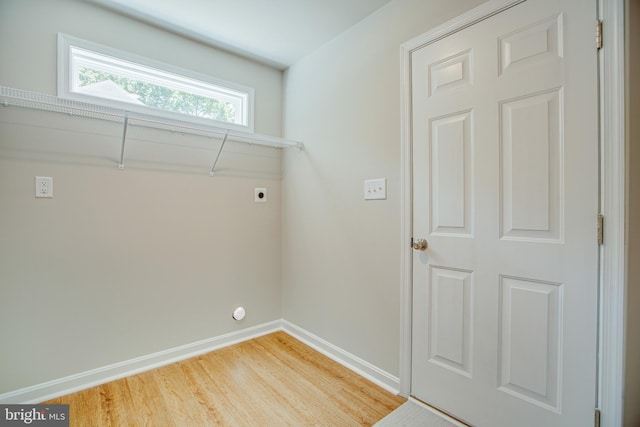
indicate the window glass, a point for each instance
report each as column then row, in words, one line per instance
column 107, row 78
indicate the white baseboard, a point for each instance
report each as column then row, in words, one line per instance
column 372, row 373
column 83, row 380
column 73, row 383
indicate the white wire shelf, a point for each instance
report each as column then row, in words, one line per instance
column 11, row 97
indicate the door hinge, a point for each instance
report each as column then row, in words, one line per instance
column 598, row 34
column 600, row 229
column 411, row 243
column 596, row 418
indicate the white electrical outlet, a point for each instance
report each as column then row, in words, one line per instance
column 375, row 189
column 260, row 195
column 44, row 186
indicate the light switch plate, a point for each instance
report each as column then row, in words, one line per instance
column 375, row 189
column 44, row 186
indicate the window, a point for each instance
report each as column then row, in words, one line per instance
column 93, row 73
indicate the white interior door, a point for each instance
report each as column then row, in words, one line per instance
column 505, row 191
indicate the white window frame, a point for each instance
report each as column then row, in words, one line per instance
column 74, row 52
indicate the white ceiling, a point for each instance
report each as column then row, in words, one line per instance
column 276, row 32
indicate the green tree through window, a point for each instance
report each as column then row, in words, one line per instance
column 163, row 98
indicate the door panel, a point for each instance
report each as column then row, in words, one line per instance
column 531, row 146
column 530, row 342
column 505, row 189
column 450, row 334
column 450, row 178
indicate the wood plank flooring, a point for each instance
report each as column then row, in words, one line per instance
column 274, row 380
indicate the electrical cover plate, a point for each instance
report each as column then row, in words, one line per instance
column 375, row 189
column 260, row 195
column 44, row 186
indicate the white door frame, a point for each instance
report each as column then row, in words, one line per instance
column 612, row 195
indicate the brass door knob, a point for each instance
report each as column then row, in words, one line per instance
column 420, row 244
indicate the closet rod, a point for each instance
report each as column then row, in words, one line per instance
column 34, row 100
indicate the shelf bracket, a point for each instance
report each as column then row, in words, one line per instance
column 124, row 138
column 215, row 162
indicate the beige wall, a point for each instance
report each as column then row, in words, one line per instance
column 632, row 368
column 341, row 271
column 121, row 264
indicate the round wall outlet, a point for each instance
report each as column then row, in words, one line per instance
column 260, row 195
column 239, row 313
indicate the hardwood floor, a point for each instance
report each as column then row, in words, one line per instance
column 274, row 380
